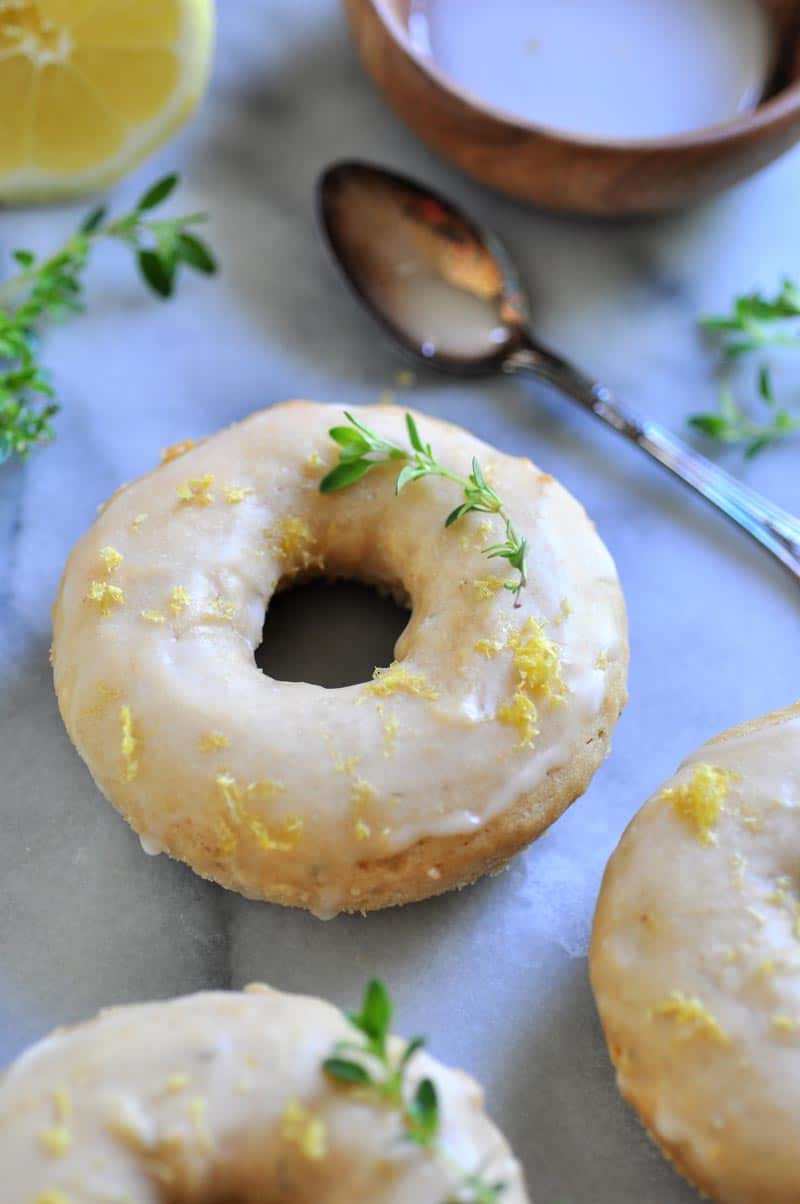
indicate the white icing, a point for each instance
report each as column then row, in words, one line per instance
column 604, row 68
column 153, row 848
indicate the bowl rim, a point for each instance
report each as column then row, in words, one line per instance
column 785, row 103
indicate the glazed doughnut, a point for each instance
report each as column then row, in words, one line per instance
column 488, row 724
column 222, row 1097
column 695, row 964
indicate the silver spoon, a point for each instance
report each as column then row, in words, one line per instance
column 449, row 293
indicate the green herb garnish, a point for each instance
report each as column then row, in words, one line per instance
column 731, row 424
column 50, row 288
column 361, row 450
column 755, row 323
column 378, row 1067
column 370, row 1063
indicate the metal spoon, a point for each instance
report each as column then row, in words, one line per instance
column 448, row 291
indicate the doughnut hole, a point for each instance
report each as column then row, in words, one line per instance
column 330, row 633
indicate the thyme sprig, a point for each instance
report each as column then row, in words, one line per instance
column 48, row 289
column 361, row 450
column 754, row 323
column 732, row 424
column 376, row 1066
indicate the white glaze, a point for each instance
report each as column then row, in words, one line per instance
column 606, row 68
column 441, row 319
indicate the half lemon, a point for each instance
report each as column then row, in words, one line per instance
column 89, row 87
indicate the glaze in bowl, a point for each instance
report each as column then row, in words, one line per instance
column 565, row 171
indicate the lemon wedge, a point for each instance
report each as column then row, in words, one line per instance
column 89, row 87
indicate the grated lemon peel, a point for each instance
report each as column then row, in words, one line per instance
column 701, row 800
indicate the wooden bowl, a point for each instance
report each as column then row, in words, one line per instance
column 564, row 171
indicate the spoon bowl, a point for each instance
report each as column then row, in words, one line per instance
column 443, row 287
column 450, row 294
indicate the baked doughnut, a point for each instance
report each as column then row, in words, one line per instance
column 695, row 964
column 222, row 1097
column 489, row 723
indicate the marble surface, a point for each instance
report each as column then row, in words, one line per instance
column 497, row 974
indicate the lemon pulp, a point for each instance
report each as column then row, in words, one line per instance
column 87, row 87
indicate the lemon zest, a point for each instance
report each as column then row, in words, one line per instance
column 691, row 1013
column 112, row 558
column 227, row 840
column 234, row 494
column 391, row 726
column 701, row 800
column 294, row 541
column 234, row 797
column 362, row 794
column 264, row 789
column 178, row 600
column 537, row 665
column 177, row 1082
column 196, row 491
column 477, row 537
column 396, row 679
column 563, row 614
column 302, row 1128
column 346, row 765
column 488, row 648
column 105, row 694
column 487, row 587
column 537, row 660
column 213, row 741
column 522, row 713
column 105, row 596
column 57, row 1139
column 225, row 610
column 128, row 745
column 198, row 1113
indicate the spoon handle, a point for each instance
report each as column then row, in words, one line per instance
column 775, row 528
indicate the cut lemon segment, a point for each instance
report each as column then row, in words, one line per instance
column 89, row 87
